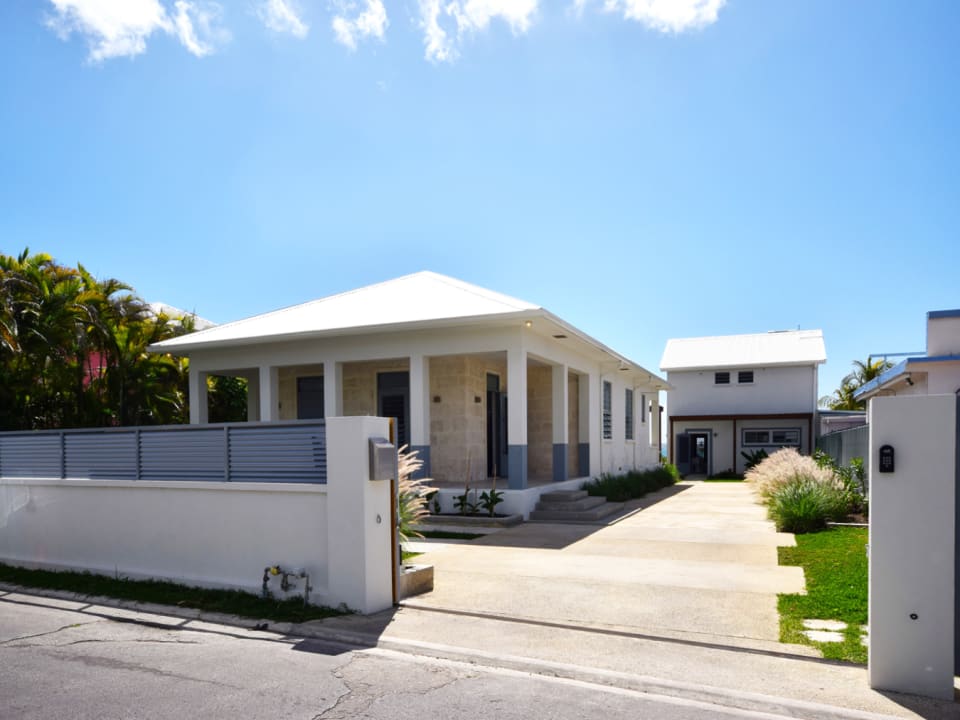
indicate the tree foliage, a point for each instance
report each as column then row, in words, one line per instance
column 863, row 372
column 73, row 350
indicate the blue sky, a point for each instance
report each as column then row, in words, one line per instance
column 645, row 169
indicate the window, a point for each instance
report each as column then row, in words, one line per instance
column 721, row 378
column 745, row 377
column 607, row 410
column 643, row 408
column 772, row 437
column 628, row 415
column 785, row 437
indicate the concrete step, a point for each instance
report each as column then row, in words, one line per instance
column 562, row 495
column 595, row 513
column 580, row 504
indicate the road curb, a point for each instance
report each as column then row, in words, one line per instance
column 315, row 630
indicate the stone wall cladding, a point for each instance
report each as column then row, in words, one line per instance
column 360, row 384
column 540, row 422
column 458, row 423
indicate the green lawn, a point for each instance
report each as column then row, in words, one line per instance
column 834, row 563
column 233, row 602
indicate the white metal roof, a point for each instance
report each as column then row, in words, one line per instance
column 424, row 299
column 417, row 298
column 784, row 347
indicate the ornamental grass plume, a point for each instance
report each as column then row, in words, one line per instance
column 772, row 474
column 800, row 495
column 412, row 494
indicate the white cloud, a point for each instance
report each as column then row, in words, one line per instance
column 372, row 22
column 118, row 28
column 281, row 17
column 664, row 15
column 467, row 16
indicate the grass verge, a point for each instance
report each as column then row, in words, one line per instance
column 834, row 563
column 233, row 602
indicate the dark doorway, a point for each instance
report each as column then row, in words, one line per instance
column 496, row 428
column 393, row 401
column 693, row 453
column 310, row 398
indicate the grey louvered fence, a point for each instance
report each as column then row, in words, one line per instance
column 844, row 445
column 294, row 452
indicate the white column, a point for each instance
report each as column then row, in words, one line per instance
column 419, row 401
column 332, row 389
column 560, row 407
column 517, row 417
column 912, row 544
column 269, row 393
column 199, row 414
column 594, row 422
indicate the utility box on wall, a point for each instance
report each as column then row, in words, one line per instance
column 913, row 543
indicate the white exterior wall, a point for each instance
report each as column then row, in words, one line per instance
column 943, row 336
column 791, row 389
column 912, row 543
column 217, row 534
column 943, row 378
column 619, row 454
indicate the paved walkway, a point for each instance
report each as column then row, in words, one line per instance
column 699, row 560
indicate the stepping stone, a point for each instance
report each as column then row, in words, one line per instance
column 823, row 635
column 834, row 625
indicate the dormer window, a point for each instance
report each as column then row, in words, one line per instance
column 721, row 378
column 745, row 377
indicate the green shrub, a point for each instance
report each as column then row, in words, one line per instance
column 803, row 504
column 633, row 484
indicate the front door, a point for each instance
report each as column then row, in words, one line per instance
column 310, row 398
column 393, row 401
column 693, row 453
column 496, row 428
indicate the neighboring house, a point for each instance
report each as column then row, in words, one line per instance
column 935, row 373
column 482, row 384
column 739, row 393
column 837, row 420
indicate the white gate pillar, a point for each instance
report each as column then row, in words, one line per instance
column 913, row 510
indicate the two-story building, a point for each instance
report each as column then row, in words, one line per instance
column 935, row 373
column 740, row 393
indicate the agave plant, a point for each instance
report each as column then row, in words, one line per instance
column 412, row 494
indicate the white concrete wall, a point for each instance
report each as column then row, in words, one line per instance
column 912, row 531
column 943, row 336
column 774, row 390
column 618, row 454
column 942, row 378
column 217, row 534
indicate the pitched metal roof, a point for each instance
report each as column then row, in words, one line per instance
column 417, row 298
column 783, row 347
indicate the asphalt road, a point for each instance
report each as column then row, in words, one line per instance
column 61, row 663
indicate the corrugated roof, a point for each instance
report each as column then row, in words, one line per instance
column 421, row 297
column 787, row 347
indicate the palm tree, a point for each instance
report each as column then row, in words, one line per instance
column 863, row 372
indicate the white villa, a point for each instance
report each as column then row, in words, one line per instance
column 739, row 393
column 483, row 385
column 935, row 373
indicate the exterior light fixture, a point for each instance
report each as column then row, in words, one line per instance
column 528, row 323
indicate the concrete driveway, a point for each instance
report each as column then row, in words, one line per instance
column 697, row 561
